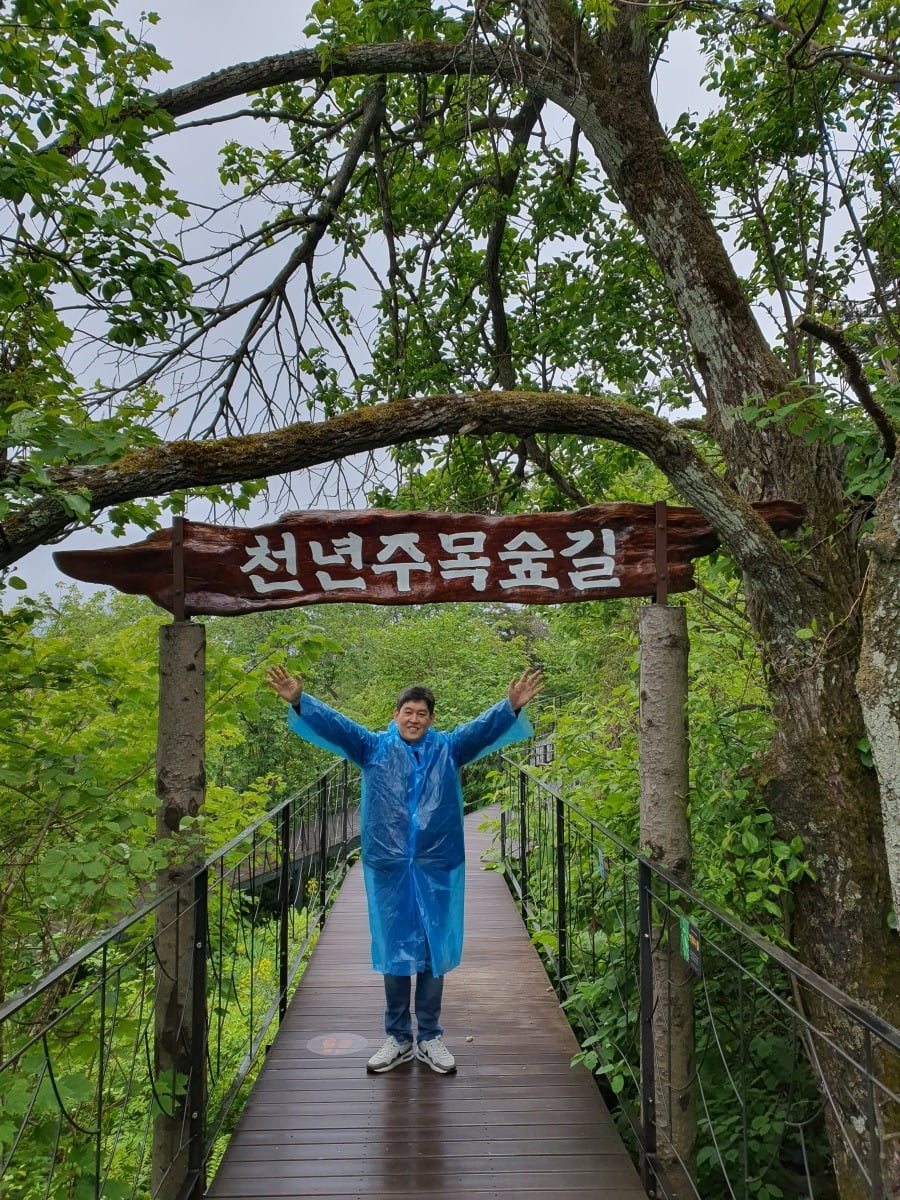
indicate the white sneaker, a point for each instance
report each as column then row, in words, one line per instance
column 435, row 1053
column 391, row 1055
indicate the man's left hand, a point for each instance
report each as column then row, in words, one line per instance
column 526, row 687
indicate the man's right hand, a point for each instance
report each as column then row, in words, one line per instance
column 289, row 687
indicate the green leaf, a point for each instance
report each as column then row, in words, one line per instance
column 76, row 1088
column 78, row 505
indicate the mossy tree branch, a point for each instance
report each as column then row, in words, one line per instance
column 173, row 466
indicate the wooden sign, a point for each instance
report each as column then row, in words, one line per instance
column 384, row 557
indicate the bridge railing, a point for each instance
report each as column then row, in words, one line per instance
column 793, row 1082
column 79, row 1089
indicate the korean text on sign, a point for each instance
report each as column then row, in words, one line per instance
column 524, row 560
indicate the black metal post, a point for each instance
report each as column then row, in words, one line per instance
column 284, row 905
column 101, row 1069
column 323, row 848
column 503, row 835
column 876, row 1190
column 345, row 807
column 523, row 851
column 742, row 1075
column 198, row 1086
column 561, row 932
column 648, row 1066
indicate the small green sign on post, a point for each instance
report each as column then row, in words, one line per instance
column 690, row 945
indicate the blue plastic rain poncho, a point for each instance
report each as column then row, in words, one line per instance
column 411, row 826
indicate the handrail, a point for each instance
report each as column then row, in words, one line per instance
column 792, row 1079
column 79, row 1084
column 113, row 932
column 886, row 1031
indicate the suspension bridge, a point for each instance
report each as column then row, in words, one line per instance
column 281, row 1011
column 516, row 1119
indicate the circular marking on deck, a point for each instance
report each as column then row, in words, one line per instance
column 337, row 1043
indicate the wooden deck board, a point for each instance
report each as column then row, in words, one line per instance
column 515, row 1121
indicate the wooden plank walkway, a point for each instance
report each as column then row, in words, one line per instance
column 515, row 1121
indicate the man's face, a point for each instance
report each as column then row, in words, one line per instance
column 413, row 720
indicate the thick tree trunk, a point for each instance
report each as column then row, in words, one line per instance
column 878, row 684
column 665, row 838
column 180, row 790
column 878, row 679
column 819, row 789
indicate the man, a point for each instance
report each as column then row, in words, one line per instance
column 412, row 843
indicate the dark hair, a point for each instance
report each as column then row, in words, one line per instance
column 417, row 694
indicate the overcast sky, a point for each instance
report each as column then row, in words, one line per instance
column 200, row 36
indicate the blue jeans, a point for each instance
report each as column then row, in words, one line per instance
column 397, row 992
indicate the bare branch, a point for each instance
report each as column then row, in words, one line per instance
column 505, row 186
column 855, row 377
column 302, row 255
column 540, row 456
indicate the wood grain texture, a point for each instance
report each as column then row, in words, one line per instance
column 603, row 551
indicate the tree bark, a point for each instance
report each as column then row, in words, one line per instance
column 878, row 685
column 174, row 465
column 878, row 678
column 180, row 790
column 666, row 839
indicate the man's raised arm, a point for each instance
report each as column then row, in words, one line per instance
column 317, row 722
column 500, row 725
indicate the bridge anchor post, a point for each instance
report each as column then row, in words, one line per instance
column 665, row 839
column 176, row 1168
